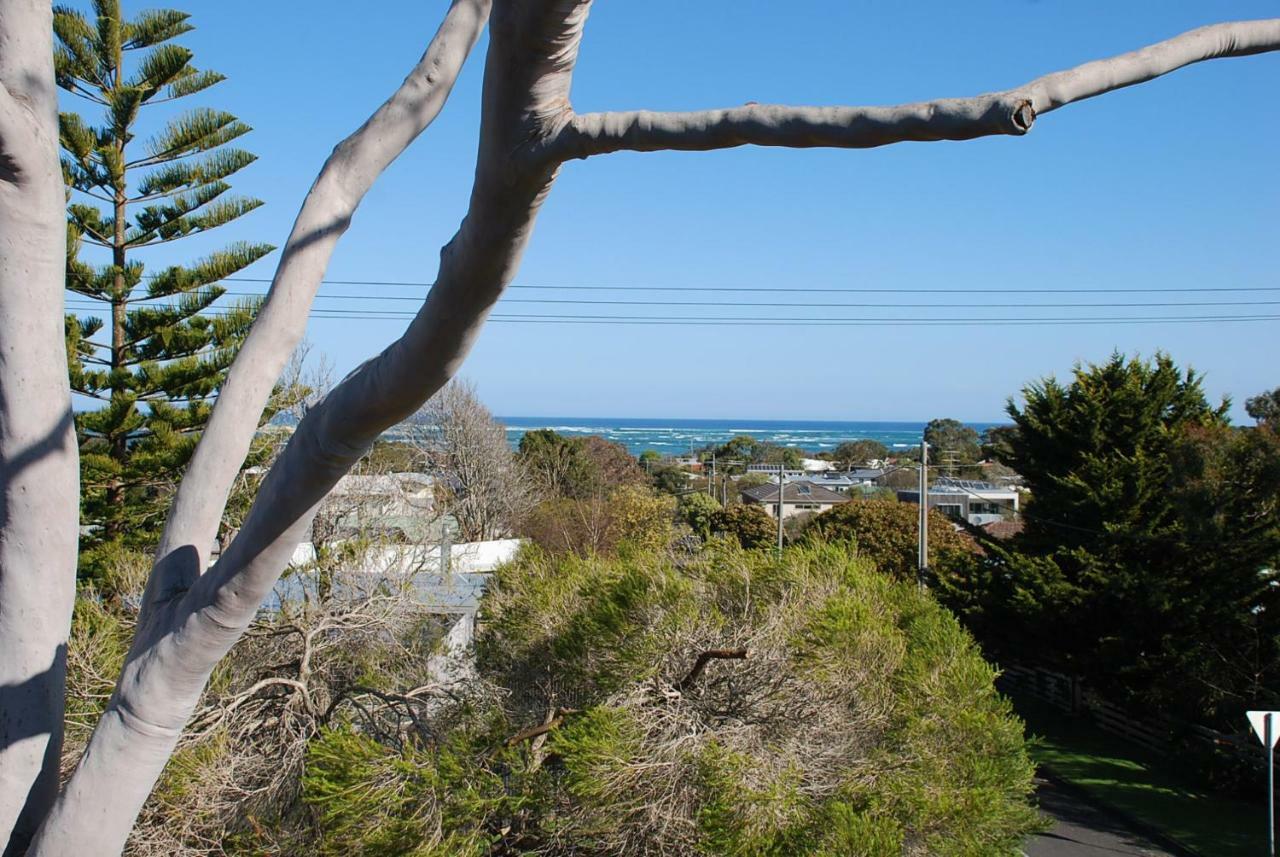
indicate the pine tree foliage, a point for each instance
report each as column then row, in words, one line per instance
column 1148, row 560
column 160, row 349
column 1095, row 452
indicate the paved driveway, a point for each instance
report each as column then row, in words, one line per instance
column 1079, row 830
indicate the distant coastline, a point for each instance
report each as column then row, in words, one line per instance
column 677, row 436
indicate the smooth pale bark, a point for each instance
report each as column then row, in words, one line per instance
column 39, row 482
column 527, row 130
column 326, row 213
column 181, row 631
column 1010, row 112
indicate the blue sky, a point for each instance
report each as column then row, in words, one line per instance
column 1173, row 184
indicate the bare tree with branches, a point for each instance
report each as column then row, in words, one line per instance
column 481, row 483
column 192, row 613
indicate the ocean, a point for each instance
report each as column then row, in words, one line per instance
column 677, row 437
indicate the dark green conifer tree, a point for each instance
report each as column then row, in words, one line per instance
column 1147, row 564
column 157, row 352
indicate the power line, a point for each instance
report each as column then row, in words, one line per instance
column 782, row 304
column 785, row 321
column 850, row 290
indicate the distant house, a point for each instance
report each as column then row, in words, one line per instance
column 454, row 589
column 978, row 503
column 772, row 470
column 397, row 505
column 798, row 498
column 844, row 481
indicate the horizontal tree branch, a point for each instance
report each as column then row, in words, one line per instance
column 1011, row 112
column 551, row 723
column 705, row 658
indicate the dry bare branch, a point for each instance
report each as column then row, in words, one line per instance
column 701, row 664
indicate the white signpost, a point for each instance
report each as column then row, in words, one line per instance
column 1267, row 725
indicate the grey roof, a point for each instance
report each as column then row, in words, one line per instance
column 950, row 485
column 846, row 477
column 794, row 492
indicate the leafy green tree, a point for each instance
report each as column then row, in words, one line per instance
column 774, row 453
column 160, row 350
column 1225, row 488
column 610, row 461
column 631, row 515
column 578, row 467
column 698, row 511
column 743, row 447
column 670, row 480
column 952, row 440
column 995, row 442
column 394, row 456
column 885, row 531
column 557, row 462
column 1095, row 453
column 855, row 453
column 1148, row 555
column 749, row 524
column 1264, row 407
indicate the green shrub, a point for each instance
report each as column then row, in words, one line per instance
column 750, row 525
column 886, row 532
column 844, row 713
column 698, row 511
column 861, row 721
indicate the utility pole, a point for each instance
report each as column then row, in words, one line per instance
column 711, row 485
column 446, row 547
column 922, row 565
column 781, row 483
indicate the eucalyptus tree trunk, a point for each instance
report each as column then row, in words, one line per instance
column 191, row 617
column 38, row 463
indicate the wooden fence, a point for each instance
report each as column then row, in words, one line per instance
column 1155, row 733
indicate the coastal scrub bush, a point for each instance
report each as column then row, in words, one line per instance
column 698, row 511
column 734, row 704
column 628, row 514
column 727, row 703
column 750, row 525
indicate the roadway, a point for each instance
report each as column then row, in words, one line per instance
column 1081, row 830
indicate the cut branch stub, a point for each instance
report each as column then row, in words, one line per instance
column 1024, row 116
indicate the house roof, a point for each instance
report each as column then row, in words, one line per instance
column 1003, row 529
column 382, row 484
column 972, row 487
column 846, row 477
column 794, row 492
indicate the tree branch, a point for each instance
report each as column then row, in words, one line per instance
column 325, row 215
column 184, row 627
column 551, row 723
column 1011, row 112
column 701, row 664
